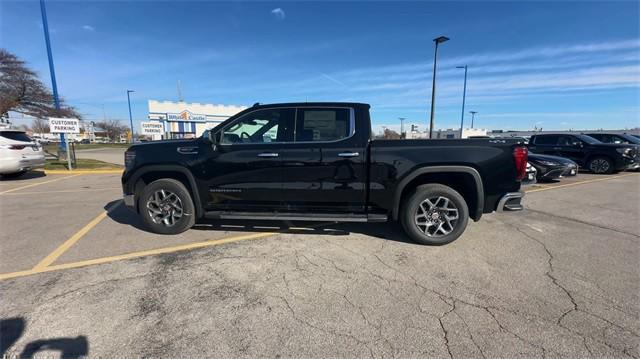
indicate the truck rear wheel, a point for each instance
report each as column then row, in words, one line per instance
column 166, row 207
column 434, row 214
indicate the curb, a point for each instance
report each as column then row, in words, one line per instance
column 83, row 172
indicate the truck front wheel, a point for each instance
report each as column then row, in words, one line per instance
column 434, row 214
column 166, row 207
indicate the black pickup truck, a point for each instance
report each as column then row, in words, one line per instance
column 318, row 162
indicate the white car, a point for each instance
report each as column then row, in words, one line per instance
column 18, row 153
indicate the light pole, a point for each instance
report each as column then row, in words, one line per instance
column 464, row 95
column 52, row 71
column 401, row 125
column 437, row 40
column 473, row 116
column 130, row 117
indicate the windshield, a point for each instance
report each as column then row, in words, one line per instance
column 630, row 139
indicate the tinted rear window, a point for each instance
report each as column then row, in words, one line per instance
column 546, row 140
column 16, row 136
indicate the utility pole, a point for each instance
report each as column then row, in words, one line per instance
column 401, row 126
column 52, row 71
column 180, row 98
column 464, row 95
column 473, row 116
column 437, row 40
column 130, row 117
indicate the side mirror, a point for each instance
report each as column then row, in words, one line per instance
column 206, row 136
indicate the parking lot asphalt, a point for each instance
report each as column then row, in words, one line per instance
column 79, row 277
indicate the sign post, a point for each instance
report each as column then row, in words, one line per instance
column 65, row 125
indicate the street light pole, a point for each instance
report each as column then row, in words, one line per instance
column 401, row 125
column 437, row 40
column 130, row 117
column 52, row 71
column 464, row 95
column 473, row 116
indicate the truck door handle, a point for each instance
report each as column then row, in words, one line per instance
column 268, row 154
column 348, row 154
column 557, row 148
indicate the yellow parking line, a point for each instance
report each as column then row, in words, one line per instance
column 71, row 241
column 66, row 191
column 84, row 172
column 38, row 183
column 150, row 252
column 578, row 183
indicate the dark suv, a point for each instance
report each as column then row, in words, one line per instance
column 587, row 152
column 615, row 138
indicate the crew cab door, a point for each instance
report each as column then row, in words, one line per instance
column 570, row 147
column 325, row 167
column 245, row 172
column 545, row 145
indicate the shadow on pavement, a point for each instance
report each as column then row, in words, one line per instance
column 27, row 176
column 389, row 231
column 12, row 329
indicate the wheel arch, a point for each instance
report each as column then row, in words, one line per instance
column 147, row 174
column 464, row 179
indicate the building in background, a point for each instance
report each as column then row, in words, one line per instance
column 189, row 120
column 452, row 133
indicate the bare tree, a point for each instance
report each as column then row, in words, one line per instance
column 389, row 134
column 112, row 128
column 40, row 126
column 21, row 91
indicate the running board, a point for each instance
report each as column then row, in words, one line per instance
column 321, row 217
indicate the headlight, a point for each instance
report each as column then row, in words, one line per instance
column 626, row 152
column 129, row 159
column 548, row 163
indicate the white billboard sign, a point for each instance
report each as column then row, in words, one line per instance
column 64, row 125
column 152, row 128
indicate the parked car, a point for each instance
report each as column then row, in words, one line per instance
column 615, row 138
column 552, row 167
column 587, row 152
column 18, row 153
column 318, row 162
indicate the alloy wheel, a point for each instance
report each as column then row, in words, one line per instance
column 164, row 207
column 599, row 165
column 436, row 216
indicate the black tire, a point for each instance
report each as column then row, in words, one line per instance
column 14, row 175
column 600, row 165
column 410, row 210
column 175, row 221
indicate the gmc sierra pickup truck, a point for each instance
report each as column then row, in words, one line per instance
column 319, row 162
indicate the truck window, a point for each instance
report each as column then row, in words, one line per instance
column 262, row 126
column 568, row 141
column 323, row 124
column 546, row 140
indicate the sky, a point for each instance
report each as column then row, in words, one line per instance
column 531, row 64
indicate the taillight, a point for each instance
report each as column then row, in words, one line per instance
column 520, row 157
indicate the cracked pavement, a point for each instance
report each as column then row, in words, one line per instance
column 560, row 279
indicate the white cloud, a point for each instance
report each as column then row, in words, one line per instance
column 278, row 13
column 333, row 79
column 88, row 28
